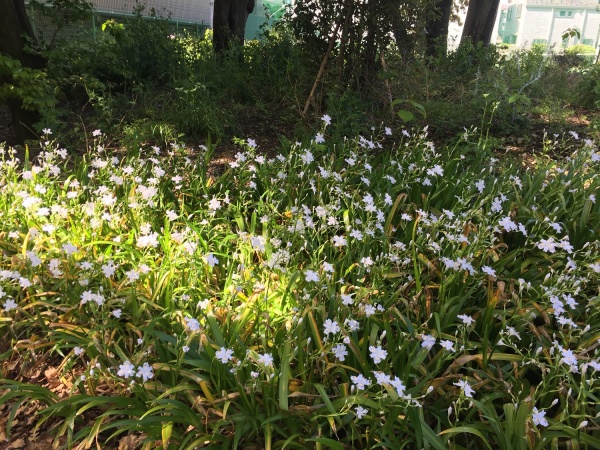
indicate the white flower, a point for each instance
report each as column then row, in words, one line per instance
column 489, row 271
column 366, row 261
column 214, row 204
column 307, row 157
column 369, row 310
column 258, row 243
column 340, row 351
column 192, row 324
column 448, row 345
column 265, row 360
column 347, row 299
column 150, row 240
column 508, row 224
column 399, row 385
column 377, row 353
column 352, row 324
column 126, row 370
column 224, row 355
column 539, row 418
column 311, row 275
column 547, row 245
column 339, row 241
column 9, row 304
column 145, row 372
column 171, row 215
column 360, row 412
column 117, row 313
column 480, row 185
column 211, row 260
column 569, row 358
column 330, row 327
column 467, row 320
column 78, row 351
column 327, row 119
column 360, row 381
column 132, row 275
column 109, row 269
column 428, row 342
column 69, row 248
column 465, row 387
column 356, row 234
column 34, row 259
column 328, row 267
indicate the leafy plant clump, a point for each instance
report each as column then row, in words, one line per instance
column 339, row 295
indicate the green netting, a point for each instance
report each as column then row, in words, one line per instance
column 265, row 13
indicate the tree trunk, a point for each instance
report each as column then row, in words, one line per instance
column 15, row 33
column 369, row 67
column 479, row 24
column 437, row 29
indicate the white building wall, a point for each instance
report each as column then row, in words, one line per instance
column 199, row 11
column 592, row 28
column 520, row 12
column 536, row 25
column 542, row 20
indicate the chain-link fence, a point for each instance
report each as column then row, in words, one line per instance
column 48, row 31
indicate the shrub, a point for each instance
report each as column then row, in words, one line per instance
column 580, row 49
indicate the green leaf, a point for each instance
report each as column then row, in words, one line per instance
column 405, row 115
column 167, row 430
column 470, row 430
column 329, row 443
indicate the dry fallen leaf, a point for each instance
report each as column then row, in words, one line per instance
column 50, row 373
column 19, row 443
column 130, row 442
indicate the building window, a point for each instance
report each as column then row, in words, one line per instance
column 564, row 13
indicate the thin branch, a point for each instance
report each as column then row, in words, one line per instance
column 321, row 69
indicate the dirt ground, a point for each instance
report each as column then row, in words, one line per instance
column 7, row 133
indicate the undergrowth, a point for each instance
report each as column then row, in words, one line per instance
column 343, row 294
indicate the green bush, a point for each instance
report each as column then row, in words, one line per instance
column 31, row 87
column 580, row 49
column 588, row 88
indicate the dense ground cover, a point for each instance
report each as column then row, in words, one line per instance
column 342, row 294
